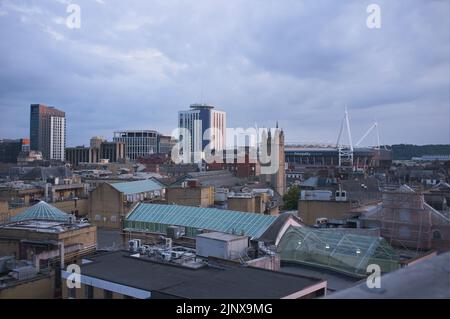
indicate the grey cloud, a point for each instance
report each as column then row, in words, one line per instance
column 134, row 64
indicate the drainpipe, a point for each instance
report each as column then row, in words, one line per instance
column 61, row 254
column 36, row 260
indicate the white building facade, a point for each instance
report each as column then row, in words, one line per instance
column 57, row 138
column 206, row 125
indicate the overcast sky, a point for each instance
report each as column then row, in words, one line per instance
column 134, row 64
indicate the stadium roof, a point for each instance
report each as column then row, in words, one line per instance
column 337, row 250
column 227, row 221
column 321, row 150
column 137, row 187
column 42, row 211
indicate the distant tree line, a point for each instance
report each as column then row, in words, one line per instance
column 407, row 151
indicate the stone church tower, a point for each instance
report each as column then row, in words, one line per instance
column 277, row 180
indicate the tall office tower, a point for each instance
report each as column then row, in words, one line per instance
column 48, row 131
column 138, row 143
column 206, row 118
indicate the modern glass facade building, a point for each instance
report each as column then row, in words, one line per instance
column 138, row 143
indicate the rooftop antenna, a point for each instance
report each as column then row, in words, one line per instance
column 201, row 92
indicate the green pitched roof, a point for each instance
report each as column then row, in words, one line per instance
column 137, row 187
column 227, row 221
column 42, row 211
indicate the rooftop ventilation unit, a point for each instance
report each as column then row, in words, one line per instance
column 134, row 245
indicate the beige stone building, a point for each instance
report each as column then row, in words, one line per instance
column 110, row 202
column 191, row 195
column 259, row 203
column 43, row 234
column 275, row 143
column 310, row 210
column 23, row 282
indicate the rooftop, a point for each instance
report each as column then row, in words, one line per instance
column 45, row 226
column 137, row 187
column 337, row 250
column 221, row 236
column 219, row 178
column 220, row 281
column 42, row 211
column 427, row 279
column 198, row 106
column 226, row 221
column 335, row 281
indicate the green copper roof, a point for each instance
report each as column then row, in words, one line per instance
column 137, row 187
column 227, row 221
column 42, row 211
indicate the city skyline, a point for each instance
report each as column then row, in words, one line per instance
column 257, row 63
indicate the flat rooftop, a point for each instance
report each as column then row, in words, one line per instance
column 428, row 279
column 221, row 236
column 335, row 281
column 208, row 282
column 44, row 226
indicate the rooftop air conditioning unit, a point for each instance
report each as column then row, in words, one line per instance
column 167, row 256
column 168, row 243
column 174, row 232
column 176, row 254
column 144, row 249
column 134, row 244
column 341, row 196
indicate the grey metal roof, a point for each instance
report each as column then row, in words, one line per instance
column 232, row 281
column 428, row 279
column 227, row 221
column 310, row 182
column 42, row 211
column 137, row 187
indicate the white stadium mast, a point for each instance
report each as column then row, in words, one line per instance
column 345, row 151
column 374, row 126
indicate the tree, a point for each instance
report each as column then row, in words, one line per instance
column 290, row 199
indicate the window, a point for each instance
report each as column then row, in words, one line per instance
column 107, row 294
column 89, row 292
